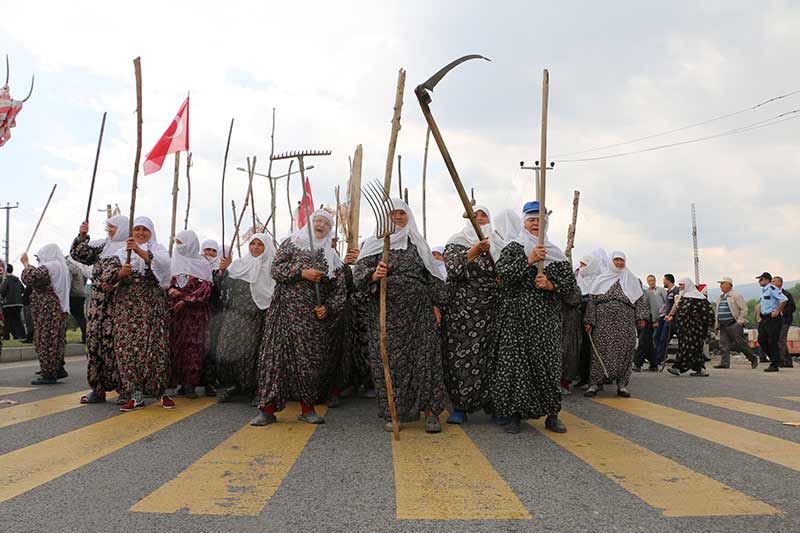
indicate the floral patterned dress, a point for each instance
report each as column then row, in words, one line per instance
column 469, row 332
column 188, row 329
column 613, row 319
column 694, row 318
column 295, row 349
column 49, row 321
column 216, row 305
column 528, row 348
column 240, row 336
column 572, row 334
column 412, row 338
column 141, row 330
column 101, row 372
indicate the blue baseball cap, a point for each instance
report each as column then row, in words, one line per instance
column 531, row 207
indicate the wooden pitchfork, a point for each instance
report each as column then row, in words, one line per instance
column 384, row 228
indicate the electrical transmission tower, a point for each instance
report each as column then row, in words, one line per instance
column 694, row 247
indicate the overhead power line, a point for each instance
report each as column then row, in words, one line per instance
column 783, row 117
column 682, row 128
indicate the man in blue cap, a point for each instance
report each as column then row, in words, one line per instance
column 769, row 328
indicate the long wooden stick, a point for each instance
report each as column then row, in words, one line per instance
column 576, row 196
column 94, row 172
column 36, row 229
column 387, row 182
column 354, row 200
column 338, row 206
column 222, row 201
column 425, row 186
column 137, row 68
column 244, row 208
column 400, row 175
column 188, row 191
column 175, row 179
column 273, row 187
column 288, row 196
column 238, row 243
column 250, row 170
column 543, row 163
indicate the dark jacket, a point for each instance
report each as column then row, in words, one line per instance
column 789, row 308
column 11, row 291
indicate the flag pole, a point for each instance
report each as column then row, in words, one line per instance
column 174, row 200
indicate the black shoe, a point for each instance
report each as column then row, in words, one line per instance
column 554, row 424
column 210, row 390
column 787, row 365
column 754, row 363
column 513, row 426
column 724, row 366
column 62, row 373
column 622, row 391
column 771, row 368
column 674, row 371
column 44, row 381
column 263, row 419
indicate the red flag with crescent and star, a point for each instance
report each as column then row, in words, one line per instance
column 306, row 206
column 175, row 139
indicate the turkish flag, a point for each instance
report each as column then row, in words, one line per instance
column 306, row 206
column 175, row 139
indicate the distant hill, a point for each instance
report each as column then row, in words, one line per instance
column 748, row 290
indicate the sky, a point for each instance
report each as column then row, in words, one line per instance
column 618, row 71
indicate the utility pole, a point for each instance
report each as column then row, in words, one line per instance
column 694, row 247
column 8, row 209
column 537, row 169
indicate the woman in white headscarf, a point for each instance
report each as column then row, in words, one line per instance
column 528, row 354
column 49, row 283
column 295, row 348
column 694, row 317
column 469, row 321
column 415, row 295
column 616, row 308
column 248, row 285
column 187, row 298
column 141, row 316
column 214, row 254
column 438, row 260
column 100, row 254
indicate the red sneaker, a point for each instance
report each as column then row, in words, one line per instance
column 130, row 405
column 167, row 402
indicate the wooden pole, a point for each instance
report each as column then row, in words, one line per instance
column 338, row 206
column 399, row 176
column 36, row 229
column 425, row 186
column 289, row 197
column 94, row 172
column 576, row 196
column 137, row 68
column 222, row 195
column 405, row 195
column 251, row 170
column 244, row 208
column 543, row 163
column 387, row 182
column 354, row 200
column 238, row 243
column 273, row 186
column 174, row 201
column 188, row 191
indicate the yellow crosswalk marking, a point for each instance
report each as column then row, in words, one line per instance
column 27, row 468
column 445, row 476
column 14, row 390
column 766, row 447
column 751, row 408
column 792, row 398
column 33, row 410
column 239, row 476
column 658, row 481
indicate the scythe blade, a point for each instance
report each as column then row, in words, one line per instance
column 436, row 78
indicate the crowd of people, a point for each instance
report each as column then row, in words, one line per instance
column 502, row 324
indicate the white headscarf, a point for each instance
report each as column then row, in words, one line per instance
column 468, row 238
column 506, row 225
column 629, row 282
column 257, row 271
column 530, row 241
column 160, row 265
column 399, row 240
column 595, row 262
column 111, row 245
column 300, row 239
column 438, row 262
column 51, row 257
column 187, row 261
column 690, row 289
column 213, row 261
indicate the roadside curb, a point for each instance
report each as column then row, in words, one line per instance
column 27, row 353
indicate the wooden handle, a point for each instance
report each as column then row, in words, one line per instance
column 36, row 229
column 354, row 200
column 543, row 163
column 137, row 69
column 94, row 172
column 222, row 202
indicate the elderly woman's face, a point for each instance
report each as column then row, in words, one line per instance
column 322, row 226
column 141, row 234
column 619, row 262
column 532, row 225
column 399, row 217
column 682, row 286
column 210, row 252
column 438, row 256
column 111, row 230
column 256, row 247
column 481, row 217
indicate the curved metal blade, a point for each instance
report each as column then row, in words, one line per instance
column 31, row 91
column 436, row 78
column 8, row 71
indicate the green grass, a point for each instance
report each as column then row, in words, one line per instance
column 73, row 337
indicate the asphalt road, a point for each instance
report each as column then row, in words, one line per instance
column 684, row 454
